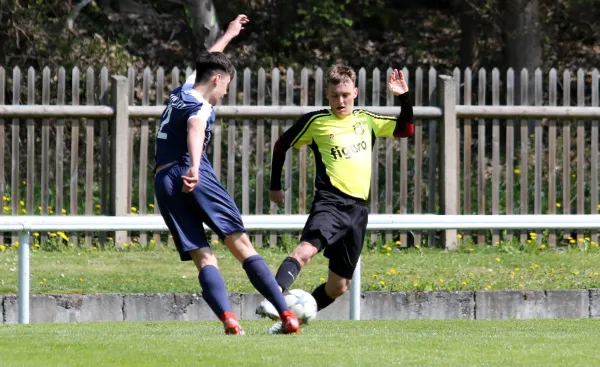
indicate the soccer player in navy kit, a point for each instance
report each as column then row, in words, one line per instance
column 189, row 194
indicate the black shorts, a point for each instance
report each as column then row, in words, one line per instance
column 336, row 225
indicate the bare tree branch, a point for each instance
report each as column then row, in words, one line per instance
column 75, row 13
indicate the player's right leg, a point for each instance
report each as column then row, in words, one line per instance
column 222, row 215
column 180, row 212
column 287, row 273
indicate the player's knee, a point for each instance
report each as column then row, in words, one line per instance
column 203, row 257
column 240, row 246
column 337, row 287
column 304, row 252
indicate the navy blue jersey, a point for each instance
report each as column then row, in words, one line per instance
column 171, row 139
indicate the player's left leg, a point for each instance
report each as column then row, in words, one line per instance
column 343, row 258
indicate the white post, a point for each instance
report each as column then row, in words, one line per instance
column 23, row 278
column 355, row 292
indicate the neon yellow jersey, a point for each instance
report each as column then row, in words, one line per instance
column 342, row 147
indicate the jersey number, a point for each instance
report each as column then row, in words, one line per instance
column 161, row 134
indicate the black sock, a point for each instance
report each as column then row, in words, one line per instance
column 323, row 300
column 287, row 272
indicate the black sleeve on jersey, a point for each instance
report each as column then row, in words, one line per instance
column 285, row 141
column 405, row 126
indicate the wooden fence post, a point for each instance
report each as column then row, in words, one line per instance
column 119, row 173
column 449, row 157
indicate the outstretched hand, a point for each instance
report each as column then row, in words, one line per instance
column 397, row 83
column 236, row 25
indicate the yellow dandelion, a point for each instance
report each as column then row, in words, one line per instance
column 22, row 203
column 442, row 280
column 6, row 208
column 558, row 205
column 517, row 269
column 596, row 273
column 417, row 247
column 497, row 259
column 587, row 239
column 536, row 266
column 571, row 241
column 322, row 279
column 97, row 206
column 573, row 175
column 464, row 283
column 533, row 235
column 528, row 241
column 23, row 211
column 397, row 242
column 542, row 246
column 308, row 283
column 64, row 211
column 489, row 287
column 81, row 279
column 39, row 208
column 580, row 240
column 41, row 283
column 63, row 235
column 471, row 249
column 598, row 206
column 37, row 245
column 133, row 209
column 51, row 234
column 459, row 236
column 216, row 242
column 521, row 285
column 415, row 284
column 36, row 234
column 125, row 244
column 382, row 282
column 388, row 254
column 2, row 247
column 392, row 271
column 51, row 211
column 24, row 182
column 152, row 240
column 150, row 205
column 576, row 272
column 517, row 171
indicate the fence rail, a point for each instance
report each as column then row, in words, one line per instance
column 537, row 157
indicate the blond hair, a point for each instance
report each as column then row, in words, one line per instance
column 340, row 74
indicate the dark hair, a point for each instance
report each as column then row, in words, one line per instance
column 340, row 74
column 210, row 63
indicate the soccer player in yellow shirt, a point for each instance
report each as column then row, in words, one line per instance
column 341, row 139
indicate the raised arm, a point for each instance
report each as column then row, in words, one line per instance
column 233, row 30
column 405, row 126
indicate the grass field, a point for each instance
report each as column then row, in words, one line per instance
column 323, row 343
column 384, row 268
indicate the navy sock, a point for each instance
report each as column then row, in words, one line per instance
column 322, row 298
column 263, row 280
column 287, row 272
column 213, row 290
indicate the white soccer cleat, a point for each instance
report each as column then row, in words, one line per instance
column 266, row 309
column 277, row 328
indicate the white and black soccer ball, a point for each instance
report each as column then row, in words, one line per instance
column 302, row 304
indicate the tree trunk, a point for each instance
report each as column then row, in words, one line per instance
column 469, row 23
column 205, row 27
column 523, row 46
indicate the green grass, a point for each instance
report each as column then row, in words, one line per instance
column 388, row 268
column 323, row 343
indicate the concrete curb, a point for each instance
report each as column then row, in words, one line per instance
column 466, row 305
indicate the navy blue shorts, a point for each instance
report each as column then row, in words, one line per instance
column 185, row 213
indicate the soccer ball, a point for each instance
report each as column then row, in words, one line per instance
column 302, row 304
